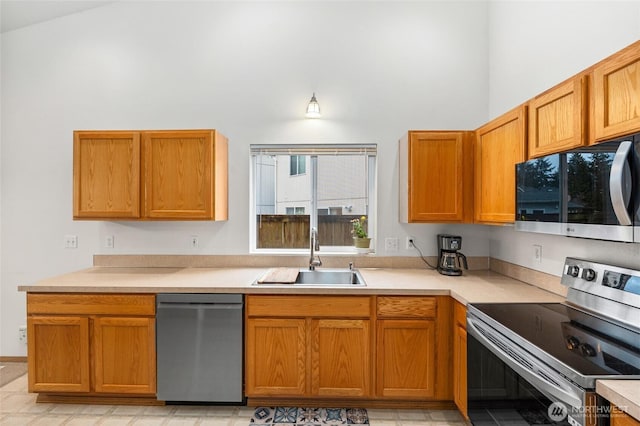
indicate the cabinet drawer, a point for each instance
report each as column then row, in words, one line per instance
column 406, row 307
column 308, row 306
column 91, row 304
column 460, row 314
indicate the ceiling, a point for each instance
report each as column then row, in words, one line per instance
column 16, row 14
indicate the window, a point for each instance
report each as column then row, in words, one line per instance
column 294, row 210
column 297, row 165
column 299, row 187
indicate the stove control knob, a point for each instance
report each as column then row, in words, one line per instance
column 589, row 274
column 573, row 270
column 572, row 342
column 587, row 350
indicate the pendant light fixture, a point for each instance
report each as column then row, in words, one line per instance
column 313, row 109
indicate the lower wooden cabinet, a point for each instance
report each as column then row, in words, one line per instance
column 276, row 356
column 91, row 344
column 340, row 354
column 406, row 347
column 124, row 355
column 620, row 418
column 406, row 358
column 58, row 354
column 308, row 346
column 460, row 357
column 358, row 347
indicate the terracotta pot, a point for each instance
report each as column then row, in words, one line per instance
column 361, row 242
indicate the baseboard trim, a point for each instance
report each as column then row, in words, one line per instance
column 97, row 400
column 350, row 403
column 13, row 359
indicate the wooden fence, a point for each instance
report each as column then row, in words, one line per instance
column 292, row 231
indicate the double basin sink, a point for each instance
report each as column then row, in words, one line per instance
column 326, row 277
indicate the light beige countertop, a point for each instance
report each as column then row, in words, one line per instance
column 623, row 393
column 473, row 286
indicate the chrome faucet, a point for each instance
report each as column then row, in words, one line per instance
column 314, row 260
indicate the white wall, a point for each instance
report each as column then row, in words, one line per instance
column 534, row 46
column 247, row 69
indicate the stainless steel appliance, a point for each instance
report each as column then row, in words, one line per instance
column 199, row 341
column 590, row 192
column 537, row 363
column 450, row 260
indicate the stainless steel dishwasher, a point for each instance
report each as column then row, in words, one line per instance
column 199, row 340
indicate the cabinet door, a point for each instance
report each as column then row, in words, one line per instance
column 106, row 175
column 340, row 357
column 558, row 117
column 276, row 357
column 500, row 144
column 185, row 175
column 460, row 368
column 436, row 177
column 124, row 355
column 615, row 100
column 406, row 354
column 620, row 418
column 58, row 354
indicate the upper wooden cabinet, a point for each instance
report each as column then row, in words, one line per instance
column 615, row 96
column 180, row 175
column 558, row 118
column 500, row 144
column 106, row 175
column 436, row 176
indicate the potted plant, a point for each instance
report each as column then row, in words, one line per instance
column 360, row 237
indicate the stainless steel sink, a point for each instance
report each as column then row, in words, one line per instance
column 330, row 277
column 325, row 277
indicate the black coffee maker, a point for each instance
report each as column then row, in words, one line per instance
column 450, row 261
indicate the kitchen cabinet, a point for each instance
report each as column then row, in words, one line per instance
column 500, row 144
column 91, row 344
column 307, row 346
column 106, row 175
column 615, row 95
column 558, row 118
column 460, row 357
column 412, row 348
column 620, row 418
column 147, row 175
column 436, row 176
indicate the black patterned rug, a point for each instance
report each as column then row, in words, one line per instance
column 298, row 416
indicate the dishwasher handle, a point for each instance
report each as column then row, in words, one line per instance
column 219, row 306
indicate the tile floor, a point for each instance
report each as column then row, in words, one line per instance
column 18, row 407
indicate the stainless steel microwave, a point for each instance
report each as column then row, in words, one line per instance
column 589, row 192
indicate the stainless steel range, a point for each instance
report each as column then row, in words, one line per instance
column 537, row 363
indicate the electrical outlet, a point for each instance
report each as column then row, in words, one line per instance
column 70, row 241
column 537, row 253
column 409, row 242
column 391, row 244
column 109, row 242
column 22, row 334
column 194, row 242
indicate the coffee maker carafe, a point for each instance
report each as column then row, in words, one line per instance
column 450, row 261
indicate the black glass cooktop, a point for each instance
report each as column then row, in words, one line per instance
column 589, row 345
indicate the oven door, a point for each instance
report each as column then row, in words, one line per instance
column 507, row 386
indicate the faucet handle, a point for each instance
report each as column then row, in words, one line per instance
column 351, row 266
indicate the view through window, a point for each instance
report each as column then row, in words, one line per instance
column 299, row 187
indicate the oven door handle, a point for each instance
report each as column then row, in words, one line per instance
column 541, row 383
column 619, row 177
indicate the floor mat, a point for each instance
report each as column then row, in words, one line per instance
column 11, row 371
column 298, row 416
